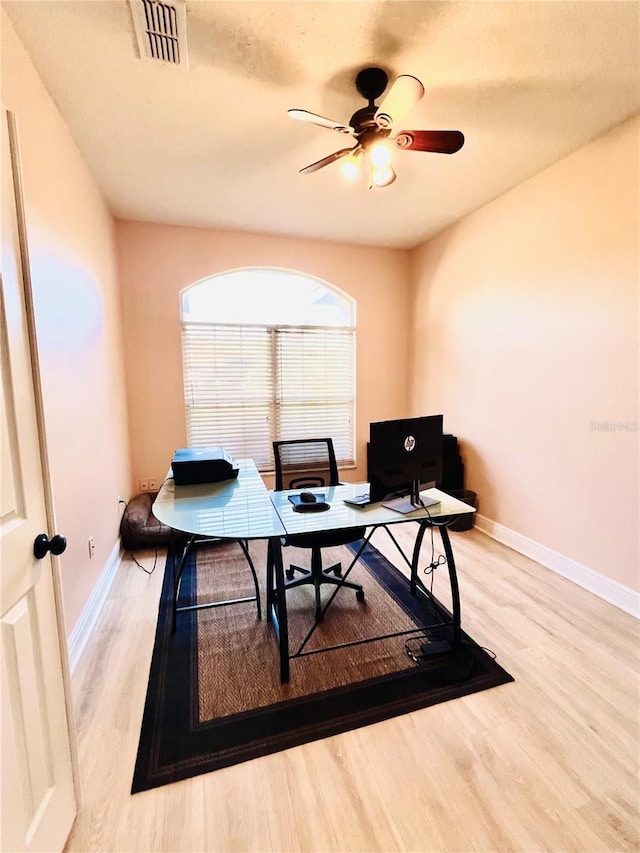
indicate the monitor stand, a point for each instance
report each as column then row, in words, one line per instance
column 411, row 502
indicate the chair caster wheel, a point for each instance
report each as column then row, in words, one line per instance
column 360, row 595
column 289, row 574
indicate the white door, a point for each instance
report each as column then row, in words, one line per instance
column 38, row 802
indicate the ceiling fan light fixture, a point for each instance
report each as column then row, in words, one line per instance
column 380, row 155
column 382, row 176
column 350, row 166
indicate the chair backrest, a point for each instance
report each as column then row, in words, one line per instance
column 304, row 463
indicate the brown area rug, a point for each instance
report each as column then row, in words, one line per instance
column 214, row 696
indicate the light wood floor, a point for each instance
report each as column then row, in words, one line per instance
column 549, row 762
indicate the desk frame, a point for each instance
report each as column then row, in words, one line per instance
column 242, row 509
column 277, row 601
column 188, row 545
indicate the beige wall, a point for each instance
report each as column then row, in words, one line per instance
column 72, row 255
column 527, row 324
column 156, row 262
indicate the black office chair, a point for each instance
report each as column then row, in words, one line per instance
column 309, row 463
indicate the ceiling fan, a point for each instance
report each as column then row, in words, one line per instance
column 374, row 128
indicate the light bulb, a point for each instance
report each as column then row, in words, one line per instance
column 383, row 177
column 350, row 167
column 380, row 155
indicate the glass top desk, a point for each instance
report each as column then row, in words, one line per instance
column 238, row 510
column 343, row 516
column 233, row 509
column 243, row 509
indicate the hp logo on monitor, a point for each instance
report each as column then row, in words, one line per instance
column 409, row 443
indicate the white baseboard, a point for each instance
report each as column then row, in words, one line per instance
column 85, row 624
column 606, row 588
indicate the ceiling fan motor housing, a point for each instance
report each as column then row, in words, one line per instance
column 363, row 118
column 371, row 83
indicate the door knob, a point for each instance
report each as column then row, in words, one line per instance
column 42, row 544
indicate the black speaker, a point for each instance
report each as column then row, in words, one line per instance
column 449, row 445
column 452, row 473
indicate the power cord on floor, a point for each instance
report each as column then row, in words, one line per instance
column 140, row 566
column 413, row 648
column 491, row 653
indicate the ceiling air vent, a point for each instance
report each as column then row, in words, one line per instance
column 161, row 30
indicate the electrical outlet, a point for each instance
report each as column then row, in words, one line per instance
column 144, row 485
column 92, row 547
column 120, row 505
column 153, row 485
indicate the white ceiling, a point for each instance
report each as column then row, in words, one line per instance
column 526, row 82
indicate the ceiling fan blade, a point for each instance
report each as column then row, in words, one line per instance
column 305, row 115
column 438, row 141
column 402, row 96
column 326, row 160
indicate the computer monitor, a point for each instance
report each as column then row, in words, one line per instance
column 404, row 456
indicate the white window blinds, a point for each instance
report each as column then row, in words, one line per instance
column 246, row 386
column 315, row 386
column 229, row 388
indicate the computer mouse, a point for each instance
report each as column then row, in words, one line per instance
column 307, row 497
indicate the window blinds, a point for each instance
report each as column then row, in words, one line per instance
column 246, row 386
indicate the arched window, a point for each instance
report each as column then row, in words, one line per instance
column 268, row 354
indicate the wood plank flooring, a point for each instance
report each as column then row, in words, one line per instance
column 550, row 762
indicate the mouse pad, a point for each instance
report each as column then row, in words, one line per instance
column 301, row 506
column 316, row 507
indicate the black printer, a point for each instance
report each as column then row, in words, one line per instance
column 191, row 465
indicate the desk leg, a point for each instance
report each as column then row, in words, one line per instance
column 453, row 576
column 244, row 544
column 415, row 558
column 453, row 580
column 177, row 577
column 277, row 604
column 270, row 589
